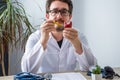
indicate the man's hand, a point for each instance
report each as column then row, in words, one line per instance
column 72, row 35
column 45, row 29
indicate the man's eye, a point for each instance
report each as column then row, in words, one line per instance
column 64, row 11
column 54, row 11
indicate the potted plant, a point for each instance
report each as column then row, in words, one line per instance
column 96, row 73
column 14, row 27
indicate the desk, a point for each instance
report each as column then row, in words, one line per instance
column 117, row 70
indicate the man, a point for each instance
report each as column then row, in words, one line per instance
column 52, row 50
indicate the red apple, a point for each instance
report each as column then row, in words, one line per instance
column 68, row 25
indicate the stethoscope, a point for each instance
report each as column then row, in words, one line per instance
column 31, row 76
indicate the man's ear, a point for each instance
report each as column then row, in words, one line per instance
column 47, row 15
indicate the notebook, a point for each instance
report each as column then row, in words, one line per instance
column 68, row 76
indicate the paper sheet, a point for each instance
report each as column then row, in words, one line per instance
column 68, row 76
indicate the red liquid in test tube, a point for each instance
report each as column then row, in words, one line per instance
column 68, row 24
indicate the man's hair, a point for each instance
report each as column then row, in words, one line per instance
column 69, row 2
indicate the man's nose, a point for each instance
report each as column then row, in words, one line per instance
column 59, row 15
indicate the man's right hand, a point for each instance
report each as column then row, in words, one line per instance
column 45, row 29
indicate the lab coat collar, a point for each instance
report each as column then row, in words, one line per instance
column 64, row 43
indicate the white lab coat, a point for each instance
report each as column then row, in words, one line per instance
column 53, row 58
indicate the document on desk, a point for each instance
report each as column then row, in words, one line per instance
column 68, row 76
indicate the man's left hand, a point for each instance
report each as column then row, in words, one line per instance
column 72, row 35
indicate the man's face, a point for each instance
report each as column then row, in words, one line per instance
column 59, row 11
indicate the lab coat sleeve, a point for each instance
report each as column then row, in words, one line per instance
column 86, row 59
column 33, row 55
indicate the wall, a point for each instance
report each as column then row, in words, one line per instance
column 99, row 20
column 36, row 11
